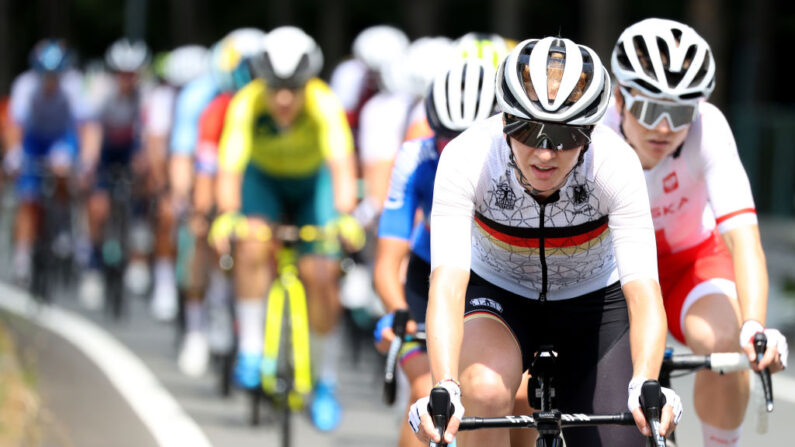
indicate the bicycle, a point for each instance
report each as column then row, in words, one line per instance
column 115, row 247
column 721, row 363
column 549, row 421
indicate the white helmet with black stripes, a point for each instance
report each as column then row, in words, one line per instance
column 460, row 96
column 664, row 59
column 553, row 80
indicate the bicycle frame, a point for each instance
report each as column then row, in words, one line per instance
column 287, row 287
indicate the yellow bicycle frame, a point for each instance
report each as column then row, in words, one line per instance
column 287, row 285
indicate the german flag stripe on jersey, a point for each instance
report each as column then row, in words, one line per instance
column 563, row 240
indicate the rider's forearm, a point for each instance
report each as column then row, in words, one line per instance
column 180, row 173
column 390, row 254
column 91, row 143
column 444, row 322
column 647, row 326
column 750, row 271
column 228, row 189
column 343, row 178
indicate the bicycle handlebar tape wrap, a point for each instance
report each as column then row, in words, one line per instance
column 441, row 410
column 652, row 402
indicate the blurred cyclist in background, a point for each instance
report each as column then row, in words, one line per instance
column 230, row 71
column 456, row 99
column 47, row 115
column 186, row 69
column 287, row 150
column 120, row 119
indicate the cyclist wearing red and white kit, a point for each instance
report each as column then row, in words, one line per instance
column 699, row 194
column 541, row 235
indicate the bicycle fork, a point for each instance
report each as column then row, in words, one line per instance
column 287, row 288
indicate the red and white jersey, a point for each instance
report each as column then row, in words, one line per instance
column 699, row 187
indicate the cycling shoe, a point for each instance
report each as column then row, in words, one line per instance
column 326, row 410
column 247, row 370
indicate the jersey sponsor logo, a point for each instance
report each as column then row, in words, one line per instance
column 486, row 302
column 505, row 197
column 669, row 209
column 579, row 194
column 670, row 182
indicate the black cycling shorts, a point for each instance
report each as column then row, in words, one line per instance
column 590, row 333
column 417, row 285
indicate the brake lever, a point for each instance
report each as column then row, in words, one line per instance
column 652, row 401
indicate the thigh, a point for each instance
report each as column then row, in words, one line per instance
column 416, row 288
column 313, row 199
column 601, row 389
column 712, row 324
column 490, row 358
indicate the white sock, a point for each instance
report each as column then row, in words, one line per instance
column 326, row 352
column 719, row 437
column 164, row 270
column 194, row 315
column 217, row 288
column 251, row 322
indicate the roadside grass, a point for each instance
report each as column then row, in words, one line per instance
column 19, row 404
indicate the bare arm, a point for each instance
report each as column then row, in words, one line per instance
column 390, row 255
column 228, row 190
column 647, row 326
column 343, row 177
column 750, row 271
column 445, row 320
column 180, row 174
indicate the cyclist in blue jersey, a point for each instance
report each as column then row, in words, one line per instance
column 120, row 120
column 456, row 99
column 47, row 113
column 230, row 70
column 187, row 67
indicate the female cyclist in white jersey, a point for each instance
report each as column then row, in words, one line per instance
column 541, row 234
column 715, row 291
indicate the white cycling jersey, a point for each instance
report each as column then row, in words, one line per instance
column 382, row 125
column 594, row 231
column 702, row 185
column 158, row 110
column 348, row 81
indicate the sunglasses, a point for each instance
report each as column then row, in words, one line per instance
column 650, row 112
column 545, row 135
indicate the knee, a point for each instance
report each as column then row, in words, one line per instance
column 715, row 338
column 485, row 392
column 251, row 253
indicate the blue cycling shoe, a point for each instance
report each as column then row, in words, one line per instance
column 247, row 370
column 326, row 411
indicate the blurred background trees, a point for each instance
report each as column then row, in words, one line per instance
column 752, row 41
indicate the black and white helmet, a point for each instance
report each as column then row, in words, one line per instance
column 290, row 57
column 460, row 96
column 127, row 56
column 553, row 80
column 664, row 59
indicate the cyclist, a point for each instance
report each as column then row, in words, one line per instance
column 540, row 234
column 48, row 112
column 187, row 69
column 363, row 81
column 230, row 71
column 715, row 291
column 119, row 116
column 286, row 148
column 457, row 98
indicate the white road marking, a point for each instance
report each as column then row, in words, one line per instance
column 154, row 405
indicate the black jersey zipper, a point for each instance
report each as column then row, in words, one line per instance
column 542, row 252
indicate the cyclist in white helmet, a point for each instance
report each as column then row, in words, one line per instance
column 457, row 98
column 710, row 258
column 120, row 119
column 541, row 234
column 286, row 153
column 207, row 328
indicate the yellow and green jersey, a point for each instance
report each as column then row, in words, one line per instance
column 250, row 135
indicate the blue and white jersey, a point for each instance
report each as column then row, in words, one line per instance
column 191, row 101
column 48, row 115
column 410, row 188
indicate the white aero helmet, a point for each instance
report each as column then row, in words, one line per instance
column 664, row 59
column 378, row 45
column 490, row 48
column 553, row 80
column 426, row 57
column 460, row 96
column 127, row 56
column 229, row 60
column 289, row 58
column 185, row 64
